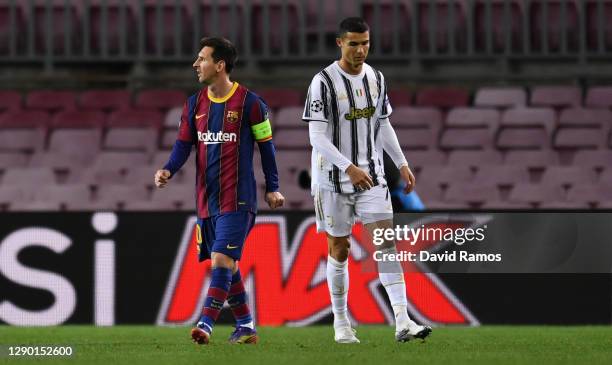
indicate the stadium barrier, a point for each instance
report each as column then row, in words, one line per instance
column 108, row 268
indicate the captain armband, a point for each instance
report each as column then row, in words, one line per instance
column 262, row 131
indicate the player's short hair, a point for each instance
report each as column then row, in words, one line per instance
column 354, row 25
column 223, row 50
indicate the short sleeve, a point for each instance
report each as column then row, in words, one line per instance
column 317, row 101
column 260, row 121
column 184, row 133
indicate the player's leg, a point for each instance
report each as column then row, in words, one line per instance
column 334, row 216
column 375, row 211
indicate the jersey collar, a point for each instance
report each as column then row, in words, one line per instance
column 224, row 98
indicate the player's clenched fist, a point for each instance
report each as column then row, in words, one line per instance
column 275, row 199
column 161, row 178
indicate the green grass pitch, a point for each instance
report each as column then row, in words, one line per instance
column 314, row 345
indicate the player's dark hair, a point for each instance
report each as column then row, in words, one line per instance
column 353, row 25
column 223, row 50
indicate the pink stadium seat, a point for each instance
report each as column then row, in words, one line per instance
column 60, row 162
column 51, row 100
column 501, row 17
column 142, row 175
column 118, row 196
column 443, row 176
column 606, row 176
column 292, row 139
column 173, row 118
column 526, row 128
column 469, row 128
column 500, row 97
column 9, row 100
column 23, row 131
column 500, row 175
column 173, row 197
column 168, row 138
column 475, row 194
column 556, row 96
column 532, row 159
column 417, row 128
column 399, row 97
column 78, row 119
column 557, row 25
column 418, row 159
column 12, row 159
column 438, row 41
column 134, row 118
column 120, row 161
column 81, row 144
column 582, row 128
column 290, row 165
column 106, row 100
column 281, row 98
column 474, row 159
column 24, row 119
column 10, row 195
column 535, row 194
column 599, row 97
column 296, row 198
column 68, row 196
column 590, row 193
column 32, row 176
column 288, row 117
column 160, row 99
column 442, row 97
column 599, row 159
column 568, row 176
column 130, row 139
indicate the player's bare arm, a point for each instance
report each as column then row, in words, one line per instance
column 161, row 178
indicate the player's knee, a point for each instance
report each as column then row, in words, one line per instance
column 339, row 248
column 222, row 260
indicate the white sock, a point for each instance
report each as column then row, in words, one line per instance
column 391, row 276
column 250, row 325
column 338, row 284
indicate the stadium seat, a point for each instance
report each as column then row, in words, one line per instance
column 104, row 100
column 556, row 96
column 500, row 97
column 10, row 195
column 133, row 118
column 535, row 194
column 160, row 99
column 606, row 176
column 417, row 128
column 120, row 161
column 561, row 25
column 443, row 26
column 501, row 176
column 51, row 100
column 281, row 98
column 594, row 15
column 391, row 19
column 443, row 176
column 599, row 97
column 81, row 144
column 526, row 128
column 172, row 197
column 568, row 176
column 5, row 34
column 504, row 26
column 290, row 165
column 168, row 28
column 130, row 140
column 78, row 119
column 442, row 97
column 12, row 159
column 419, row 159
column 32, row 176
column 598, row 159
column 66, row 196
column 469, row 128
column 112, row 27
column 9, row 100
column 277, row 13
column 118, row 196
column 296, row 198
column 580, row 128
column 532, row 159
column 173, row 118
column 292, row 139
column 142, row 175
column 399, row 97
column 590, row 193
column 474, row 159
column 62, row 16
column 62, row 163
column 474, row 193
column 223, row 18
column 288, row 117
column 23, row 131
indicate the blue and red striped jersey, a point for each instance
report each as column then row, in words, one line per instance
column 224, row 131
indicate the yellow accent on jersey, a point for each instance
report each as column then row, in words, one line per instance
column 262, row 131
column 226, row 97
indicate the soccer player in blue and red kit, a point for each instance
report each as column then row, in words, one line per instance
column 223, row 121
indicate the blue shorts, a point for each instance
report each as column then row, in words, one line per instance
column 224, row 233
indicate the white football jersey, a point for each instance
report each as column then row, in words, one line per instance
column 352, row 106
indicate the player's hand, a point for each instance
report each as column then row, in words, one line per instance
column 408, row 178
column 359, row 178
column 161, row 178
column 274, row 199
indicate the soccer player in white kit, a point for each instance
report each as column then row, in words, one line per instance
column 348, row 112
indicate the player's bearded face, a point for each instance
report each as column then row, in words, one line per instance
column 205, row 67
column 355, row 47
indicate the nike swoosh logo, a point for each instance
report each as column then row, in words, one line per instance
column 229, row 247
column 200, row 116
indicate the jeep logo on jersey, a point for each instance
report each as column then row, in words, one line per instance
column 355, row 113
column 209, row 137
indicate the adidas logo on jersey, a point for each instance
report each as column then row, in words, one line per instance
column 355, row 113
column 209, row 137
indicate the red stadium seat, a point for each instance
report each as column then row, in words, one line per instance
column 120, row 161
column 134, row 118
column 599, row 159
column 32, row 176
column 173, row 118
column 118, row 196
column 51, row 100
column 289, row 117
column 535, row 194
column 474, row 159
column 417, row 128
column 556, row 96
column 24, row 119
column 399, row 97
column 443, row 176
column 105, row 100
column 582, row 128
column 532, row 159
column 497, row 97
column 599, row 97
column 594, row 14
column 558, row 24
column 116, row 25
column 81, row 144
column 11, row 195
column 142, row 175
column 292, row 139
column 500, row 175
column 78, row 119
column 66, row 196
column 160, row 99
column 124, row 139
column 223, row 18
column 9, row 100
column 474, row 193
column 590, row 193
column 442, row 97
column 5, row 29
column 436, row 25
column 281, row 98
column 23, row 131
column 568, row 176
column 278, row 11
column 504, row 26
column 168, row 27
column 418, row 159
column 469, row 128
column 61, row 15
column 526, row 128
column 393, row 18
